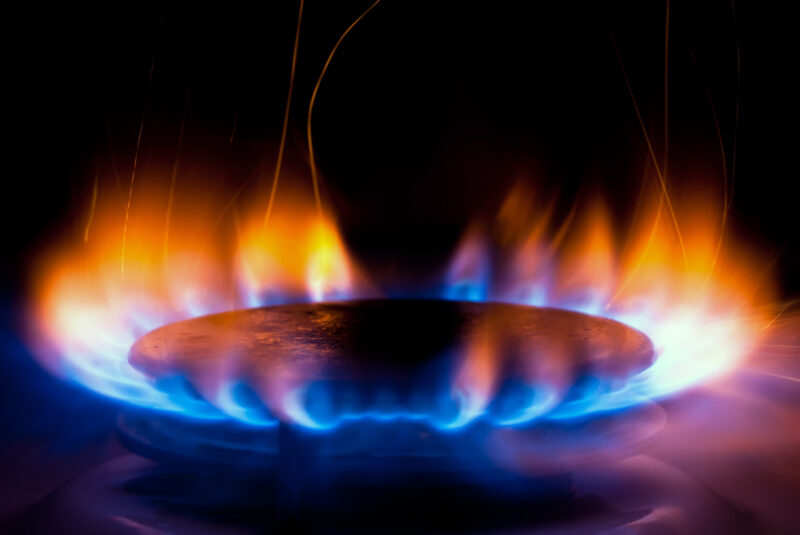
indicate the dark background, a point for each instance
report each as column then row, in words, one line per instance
column 429, row 113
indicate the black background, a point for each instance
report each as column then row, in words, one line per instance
column 429, row 113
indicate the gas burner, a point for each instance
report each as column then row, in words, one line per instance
column 318, row 277
column 338, row 446
column 447, row 363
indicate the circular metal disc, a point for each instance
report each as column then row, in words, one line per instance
column 387, row 339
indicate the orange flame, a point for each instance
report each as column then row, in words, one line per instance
column 181, row 260
column 698, row 300
column 702, row 302
column 299, row 253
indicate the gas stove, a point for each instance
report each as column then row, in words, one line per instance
column 401, row 267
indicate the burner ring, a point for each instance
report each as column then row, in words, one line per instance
column 405, row 449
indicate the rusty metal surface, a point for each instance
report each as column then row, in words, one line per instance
column 357, row 339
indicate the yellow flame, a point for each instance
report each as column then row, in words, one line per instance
column 85, row 302
column 696, row 300
column 702, row 304
column 300, row 252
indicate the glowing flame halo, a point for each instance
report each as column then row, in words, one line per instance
column 694, row 299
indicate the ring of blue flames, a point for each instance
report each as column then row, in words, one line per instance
column 105, row 370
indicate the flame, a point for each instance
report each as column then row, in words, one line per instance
column 587, row 273
column 469, row 270
column 89, row 311
column 702, row 304
column 697, row 298
column 477, row 377
column 298, row 254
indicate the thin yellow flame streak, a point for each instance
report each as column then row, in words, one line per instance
column 91, row 210
column 650, row 240
column 136, row 160
column 666, row 92
column 282, row 144
column 130, row 196
column 174, row 177
column 652, row 237
column 728, row 190
column 725, row 202
column 659, row 174
column 311, row 161
column 779, row 314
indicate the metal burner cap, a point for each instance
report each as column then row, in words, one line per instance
column 413, row 345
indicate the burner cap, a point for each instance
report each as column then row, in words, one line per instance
column 390, row 342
